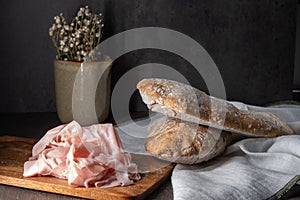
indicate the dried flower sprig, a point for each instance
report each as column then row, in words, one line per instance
column 74, row 41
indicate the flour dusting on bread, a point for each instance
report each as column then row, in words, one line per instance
column 187, row 103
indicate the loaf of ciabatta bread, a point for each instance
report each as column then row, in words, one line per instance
column 183, row 142
column 187, row 103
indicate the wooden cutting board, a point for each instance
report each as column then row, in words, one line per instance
column 14, row 151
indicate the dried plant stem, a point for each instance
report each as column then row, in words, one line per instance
column 76, row 40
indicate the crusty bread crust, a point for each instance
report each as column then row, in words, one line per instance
column 184, row 142
column 185, row 102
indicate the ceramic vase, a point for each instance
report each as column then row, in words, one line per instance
column 82, row 91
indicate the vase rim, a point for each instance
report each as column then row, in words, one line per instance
column 79, row 63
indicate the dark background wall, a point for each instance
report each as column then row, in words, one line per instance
column 252, row 43
column 297, row 53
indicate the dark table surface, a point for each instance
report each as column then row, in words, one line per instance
column 35, row 125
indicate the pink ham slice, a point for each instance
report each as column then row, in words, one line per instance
column 86, row 156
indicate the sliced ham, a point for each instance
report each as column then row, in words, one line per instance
column 86, row 156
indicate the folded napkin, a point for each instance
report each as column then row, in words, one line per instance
column 250, row 169
column 258, row 168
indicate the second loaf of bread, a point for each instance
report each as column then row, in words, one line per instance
column 184, row 142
